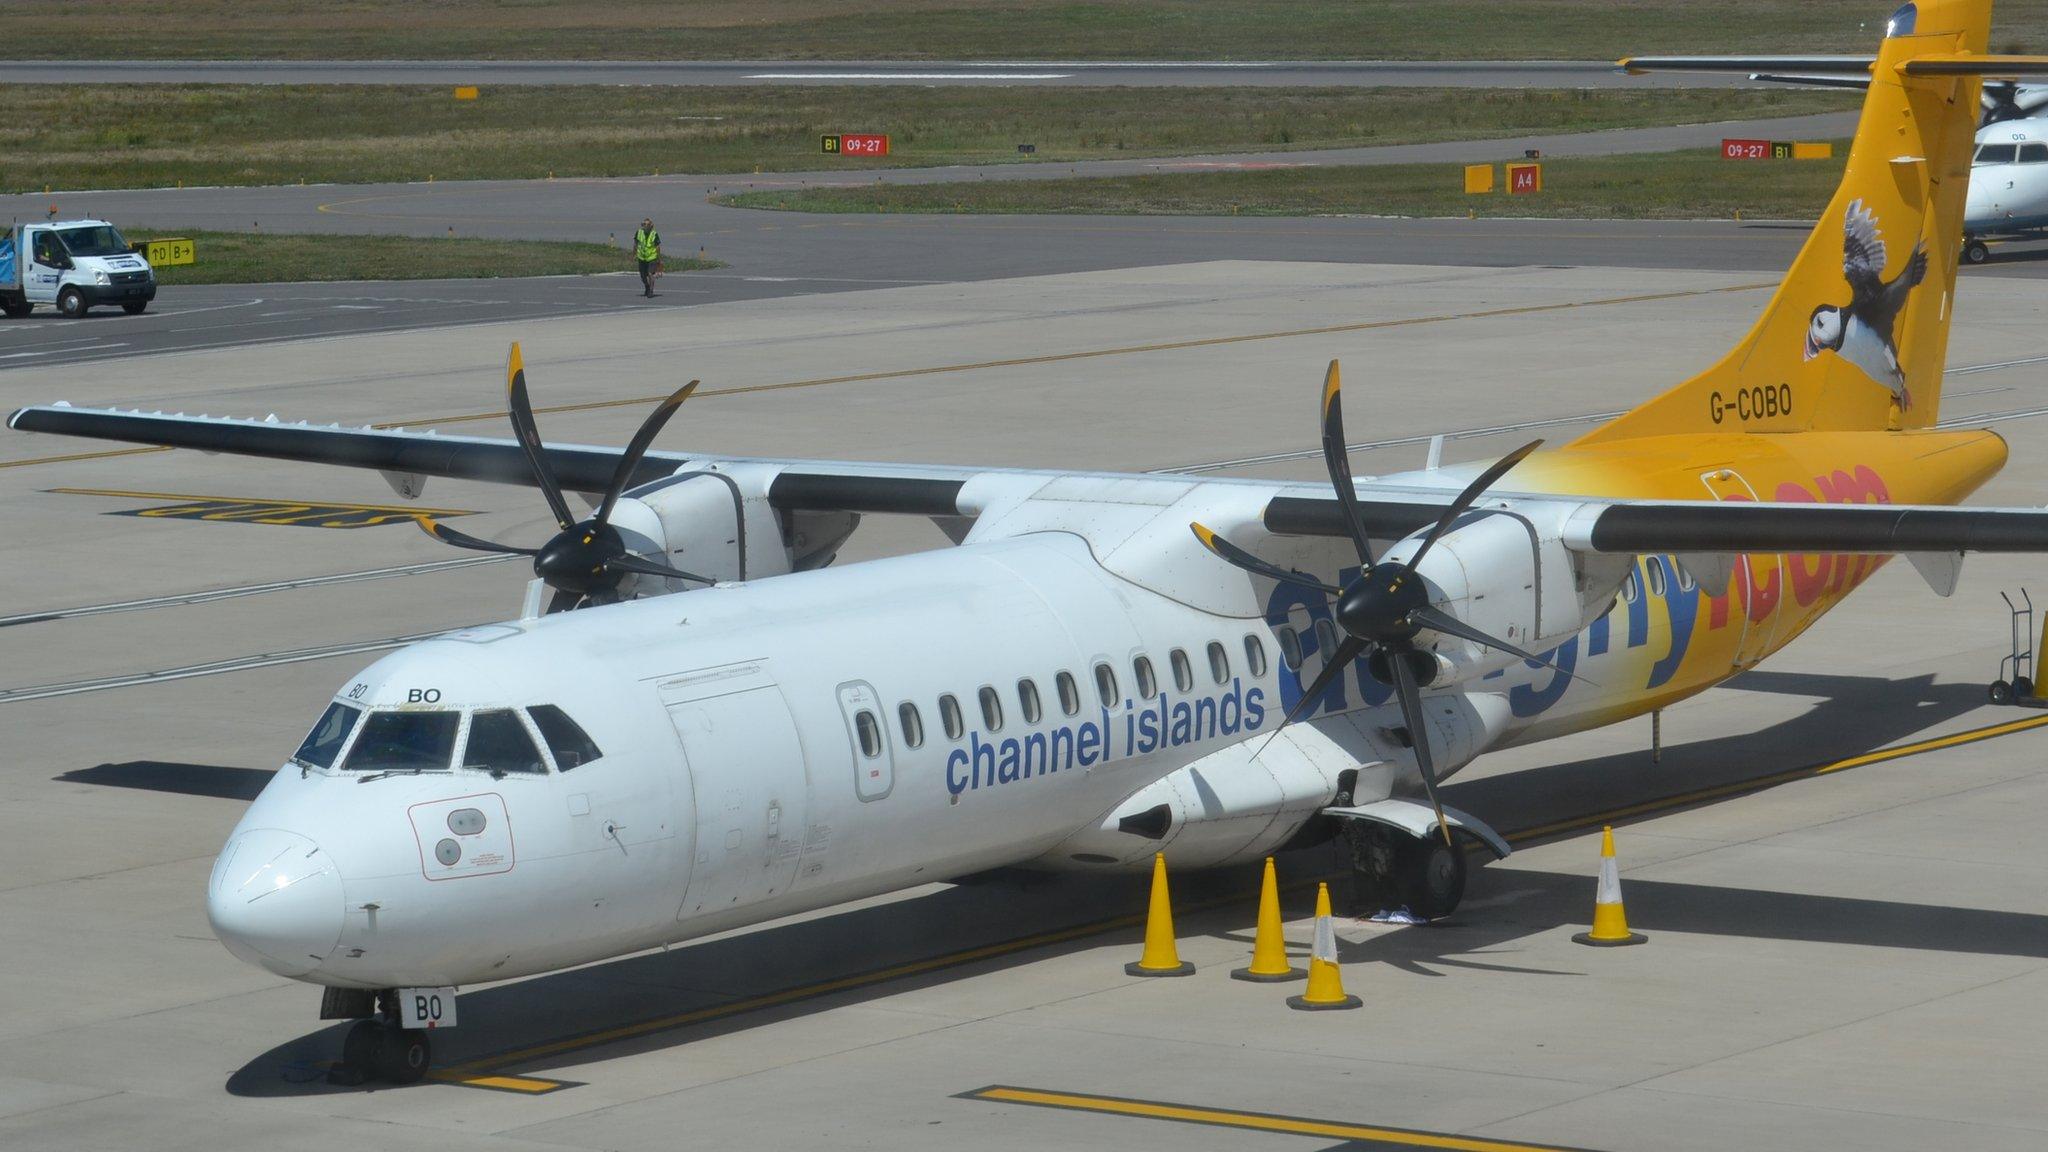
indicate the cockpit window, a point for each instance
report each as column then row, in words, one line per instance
column 565, row 738
column 324, row 742
column 405, row 742
column 1997, row 153
column 498, row 744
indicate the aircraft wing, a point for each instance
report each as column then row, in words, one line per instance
column 1618, row 526
column 1648, row 527
column 581, row 468
column 1858, row 66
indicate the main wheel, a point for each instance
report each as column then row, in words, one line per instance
column 71, row 302
column 359, row 1047
column 135, row 307
column 1434, row 874
column 403, row 1055
column 1976, row 251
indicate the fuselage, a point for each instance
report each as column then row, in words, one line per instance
column 750, row 751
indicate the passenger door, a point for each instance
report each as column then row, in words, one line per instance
column 752, row 790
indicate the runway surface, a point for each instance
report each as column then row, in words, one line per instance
column 1846, row 951
column 936, row 73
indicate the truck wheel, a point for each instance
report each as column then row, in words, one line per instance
column 134, row 307
column 71, row 303
column 16, row 309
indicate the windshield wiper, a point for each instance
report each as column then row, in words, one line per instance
column 399, row 772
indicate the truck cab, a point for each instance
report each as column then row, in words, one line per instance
column 73, row 265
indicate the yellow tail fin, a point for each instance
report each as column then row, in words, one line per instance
column 1855, row 337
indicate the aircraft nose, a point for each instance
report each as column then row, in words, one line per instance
column 275, row 901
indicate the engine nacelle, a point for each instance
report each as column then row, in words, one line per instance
column 1507, row 576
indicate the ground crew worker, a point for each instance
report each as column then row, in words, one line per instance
column 647, row 250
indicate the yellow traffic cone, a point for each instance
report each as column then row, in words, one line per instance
column 1325, row 983
column 1269, row 948
column 1610, row 923
column 1161, row 958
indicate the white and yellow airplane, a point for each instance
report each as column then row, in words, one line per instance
column 1090, row 681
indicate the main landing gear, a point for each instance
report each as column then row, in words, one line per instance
column 1391, row 871
column 376, row 1047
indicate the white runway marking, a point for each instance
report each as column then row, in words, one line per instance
column 208, row 597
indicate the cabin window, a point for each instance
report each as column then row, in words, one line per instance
column 405, row 742
column 1183, row 672
column 1630, row 590
column 1254, row 657
column 1326, row 639
column 1219, row 662
column 991, row 709
column 1148, row 685
column 1027, row 695
column 949, row 715
column 912, row 724
column 2034, row 153
column 1290, row 646
column 565, row 738
column 1996, row 153
column 324, row 742
column 498, row 744
column 1070, row 693
column 1685, row 581
column 1105, row 685
column 1653, row 571
column 869, row 732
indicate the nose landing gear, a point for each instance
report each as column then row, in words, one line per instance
column 377, row 1047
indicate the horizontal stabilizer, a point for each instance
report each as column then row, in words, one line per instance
column 1969, row 64
column 1817, row 65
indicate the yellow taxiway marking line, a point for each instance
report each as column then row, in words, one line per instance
column 1011, row 362
column 485, row 1065
column 128, row 495
column 1761, row 783
column 1257, row 1121
column 527, row 1085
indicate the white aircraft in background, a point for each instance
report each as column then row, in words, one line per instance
column 2008, row 172
column 708, row 727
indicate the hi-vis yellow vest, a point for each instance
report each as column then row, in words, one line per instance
column 647, row 244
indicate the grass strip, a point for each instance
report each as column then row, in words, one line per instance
column 121, row 136
column 952, row 29
column 273, row 258
column 1689, row 184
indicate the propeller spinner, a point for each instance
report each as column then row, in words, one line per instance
column 1387, row 606
column 588, row 559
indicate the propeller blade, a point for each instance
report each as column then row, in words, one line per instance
column 1418, row 734
column 649, row 428
column 1432, row 618
column 562, row 601
column 1472, row 492
column 1231, row 554
column 449, row 535
column 529, row 438
column 1338, row 460
column 646, row 567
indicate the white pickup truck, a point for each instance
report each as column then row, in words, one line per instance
column 73, row 264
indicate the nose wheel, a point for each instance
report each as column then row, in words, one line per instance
column 378, row 1049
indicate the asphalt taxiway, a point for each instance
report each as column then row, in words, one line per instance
column 1836, row 860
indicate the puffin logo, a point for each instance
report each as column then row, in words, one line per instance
column 1861, row 331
